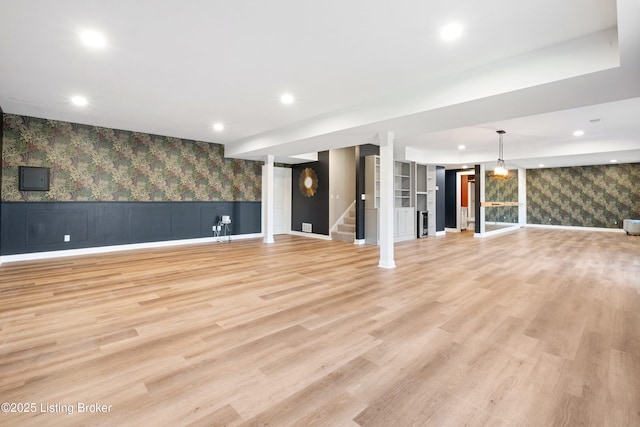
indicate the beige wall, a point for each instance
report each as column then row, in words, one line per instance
column 342, row 181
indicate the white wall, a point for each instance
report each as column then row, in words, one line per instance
column 281, row 200
column 342, row 181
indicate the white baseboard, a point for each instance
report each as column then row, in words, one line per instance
column 312, row 235
column 387, row 266
column 359, row 242
column 116, row 248
column 451, row 230
column 553, row 227
column 441, row 233
column 572, row 227
column 498, row 231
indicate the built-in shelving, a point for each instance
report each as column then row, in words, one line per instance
column 402, row 185
column 431, row 198
column 372, row 182
column 421, row 187
column 425, row 194
column 372, row 199
column 403, row 200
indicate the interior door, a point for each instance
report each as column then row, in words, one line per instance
column 281, row 200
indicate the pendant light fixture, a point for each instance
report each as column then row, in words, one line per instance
column 500, row 171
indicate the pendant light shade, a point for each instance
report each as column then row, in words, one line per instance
column 500, row 171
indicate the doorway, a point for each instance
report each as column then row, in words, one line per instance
column 465, row 200
column 281, row 200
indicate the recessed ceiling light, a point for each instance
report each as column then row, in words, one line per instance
column 540, row 165
column 451, row 31
column 578, row 132
column 461, row 147
column 613, row 160
column 93, row 39
column 287, row 98
column 218, row 127
column 465, row 166
column 79, row 101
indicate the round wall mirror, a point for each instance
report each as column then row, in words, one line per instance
column 308, row 182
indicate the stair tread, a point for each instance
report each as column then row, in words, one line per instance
column 346, row 227
column 345, row 236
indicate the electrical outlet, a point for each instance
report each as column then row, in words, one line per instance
column 67, row 237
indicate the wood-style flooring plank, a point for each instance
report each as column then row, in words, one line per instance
column 536, row 327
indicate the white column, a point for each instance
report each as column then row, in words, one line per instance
column 386, row 200
column 482, row 179
column 267, row 199
column 458, row 200
column 522, row 197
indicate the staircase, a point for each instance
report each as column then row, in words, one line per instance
column 347, row 229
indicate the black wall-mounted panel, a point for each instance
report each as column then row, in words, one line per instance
column 40, row 226
column 31, row 178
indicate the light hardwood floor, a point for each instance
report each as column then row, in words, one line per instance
column 532, row 328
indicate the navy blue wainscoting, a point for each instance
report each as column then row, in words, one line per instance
column 29, row 227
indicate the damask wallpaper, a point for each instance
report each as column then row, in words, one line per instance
column 91, row 163
column 502, row 191
column 586, row 196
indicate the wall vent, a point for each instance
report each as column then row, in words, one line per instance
column 306, row 227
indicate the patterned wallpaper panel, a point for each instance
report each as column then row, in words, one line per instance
column 501, row 191
column 91, row 163
column 586, row 196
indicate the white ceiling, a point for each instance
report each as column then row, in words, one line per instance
column 538, row 69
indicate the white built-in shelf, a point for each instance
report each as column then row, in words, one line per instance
column 402, row 184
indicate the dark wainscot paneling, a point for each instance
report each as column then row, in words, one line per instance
column 41, row 226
